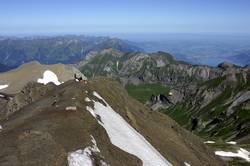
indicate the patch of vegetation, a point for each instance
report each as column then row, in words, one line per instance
column 179, row 113
column 214, row 82
column 143, row 92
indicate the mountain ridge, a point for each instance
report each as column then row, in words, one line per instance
column 58, row 120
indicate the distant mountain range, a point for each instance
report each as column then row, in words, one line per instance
column 241, row 58
column 67, row 49
column 4, row 68
column 50, row 50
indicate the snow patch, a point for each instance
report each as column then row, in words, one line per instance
column 1, row 128
column 83, row 157
column 242, row 153
column 87, row 99
column 209, row 142
column 232, row 142
column 98, row 96
column 91, row 111
column 186, row 164
column 3, row 86
column 49, row 76
column 80, row 158
column 71, row 108
column 126, row 137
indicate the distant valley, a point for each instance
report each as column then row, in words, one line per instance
column 200, row 49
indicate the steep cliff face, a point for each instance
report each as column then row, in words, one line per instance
column 221, row 106
column 97, row 123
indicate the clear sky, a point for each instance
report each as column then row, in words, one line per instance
column 124, row 16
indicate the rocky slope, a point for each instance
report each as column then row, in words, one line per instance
column 138, row 67
column 96, row 123
column 213, row 102
column 221, row 106
column 16, row 79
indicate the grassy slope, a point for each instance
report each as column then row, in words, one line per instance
column 143, row 92
column 216, row 108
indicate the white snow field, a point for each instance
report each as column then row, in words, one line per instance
column 124, row 136
column 186, row 164
column 242, row 153
column 83, row 157
column 209, row 142
column 3, row 86
column 87, row 99
column 49, row 76
column 71, row 108
column 232, row 142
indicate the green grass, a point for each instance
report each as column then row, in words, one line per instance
column 179, row 113
column 143, row 92
column 214, row 82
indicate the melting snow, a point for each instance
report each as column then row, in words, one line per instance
column 80, row 158
column 242, row 153
column 49, row 76
column 83, row 157
column 186, row 164
column 3, row 86
column 232, row 142
column 209, row 142
column 126, row 137
column 87, row 99
column 72, row 108
column 91, row 111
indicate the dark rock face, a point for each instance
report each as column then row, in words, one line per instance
column 159, row 98
column 194, row 122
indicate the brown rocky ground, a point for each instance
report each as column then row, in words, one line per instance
column 43, row 132
column 18, row 78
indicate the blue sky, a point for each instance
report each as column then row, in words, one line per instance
column 124, row 16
